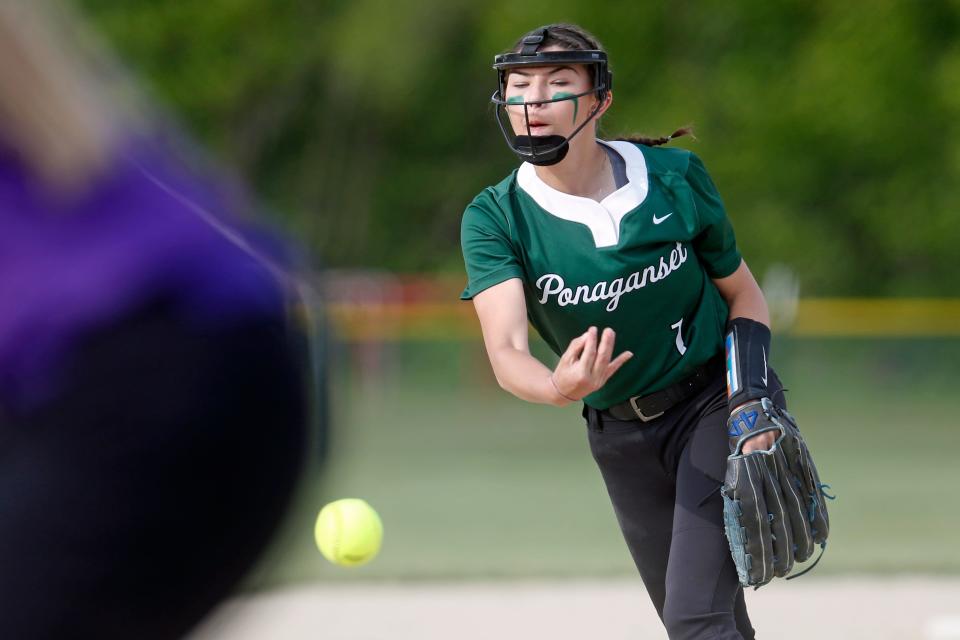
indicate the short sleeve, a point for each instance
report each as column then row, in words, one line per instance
column 715, row 242
column 488, row 253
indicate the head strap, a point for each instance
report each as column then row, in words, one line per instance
column 531, row 43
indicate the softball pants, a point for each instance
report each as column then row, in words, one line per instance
column 663, row 478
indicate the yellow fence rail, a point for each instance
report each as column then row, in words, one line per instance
column 882, row 317
column 815, row 317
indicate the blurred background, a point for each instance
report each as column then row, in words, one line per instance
column 832, row 130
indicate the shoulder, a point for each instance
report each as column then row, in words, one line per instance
column 666, row 159
column 498, row 194
column 494, row 204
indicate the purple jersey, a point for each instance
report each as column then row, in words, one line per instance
column 144, row 230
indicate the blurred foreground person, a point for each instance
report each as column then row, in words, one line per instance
column 151, row 398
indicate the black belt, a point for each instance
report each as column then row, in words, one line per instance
column 654, row 405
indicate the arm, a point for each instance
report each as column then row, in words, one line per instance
column 774, row 517
column 503, row 319
column 583, row 368
column 745, row 300
column 743, row 295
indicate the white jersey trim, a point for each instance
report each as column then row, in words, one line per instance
column 602, row 218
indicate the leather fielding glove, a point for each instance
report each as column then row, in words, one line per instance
column 774, row 510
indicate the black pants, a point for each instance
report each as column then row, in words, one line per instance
column 137, row 497
column 663, row 478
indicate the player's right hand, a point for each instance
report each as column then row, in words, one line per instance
column 586, row 365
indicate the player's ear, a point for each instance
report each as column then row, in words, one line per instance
column 607, row 101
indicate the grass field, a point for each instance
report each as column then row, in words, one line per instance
column 474, row 484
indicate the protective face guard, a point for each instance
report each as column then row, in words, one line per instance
column 545, row 150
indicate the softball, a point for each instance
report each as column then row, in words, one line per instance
column 348, row 532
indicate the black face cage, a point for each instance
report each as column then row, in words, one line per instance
column 545, row 150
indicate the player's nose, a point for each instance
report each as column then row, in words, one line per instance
column 539, row 91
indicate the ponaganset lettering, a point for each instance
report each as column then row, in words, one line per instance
column 552, row 284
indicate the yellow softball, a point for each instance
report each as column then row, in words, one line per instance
column 348, row 532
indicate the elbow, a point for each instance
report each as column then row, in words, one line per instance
column 500, row 369
column 503, row 384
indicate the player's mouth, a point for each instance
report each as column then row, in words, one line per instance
column 537, row 125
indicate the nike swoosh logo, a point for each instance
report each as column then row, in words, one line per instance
column 657, row 220
column 764, row 366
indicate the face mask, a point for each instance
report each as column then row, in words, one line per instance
column 545, row 150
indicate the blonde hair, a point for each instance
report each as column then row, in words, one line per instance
column 56, row 110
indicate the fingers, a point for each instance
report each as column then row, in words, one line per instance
column 575, row 348
column 586, row 362
column 781, row 532
column 760, row 442
column 604, row 368
column 604, row 351
column 747, row 488
column 796, row 506
column 616, row 364
column 589, row 350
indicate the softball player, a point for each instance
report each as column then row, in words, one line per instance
column 621, row 256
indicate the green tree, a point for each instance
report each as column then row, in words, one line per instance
column 831, row 128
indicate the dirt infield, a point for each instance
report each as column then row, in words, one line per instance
column 902, row 608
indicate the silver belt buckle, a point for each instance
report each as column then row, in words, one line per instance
column 636, row 409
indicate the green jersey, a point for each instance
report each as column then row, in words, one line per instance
column 640, row 261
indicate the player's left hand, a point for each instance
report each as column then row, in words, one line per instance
column 760, row 442
column 744, row 419
column 774, row 511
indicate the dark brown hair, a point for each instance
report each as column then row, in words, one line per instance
column 567, row 36
column 575, row 38
column 653, row 142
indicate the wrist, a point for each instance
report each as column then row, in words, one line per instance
column 747, row 346
column 743, row 403
column 562, row 397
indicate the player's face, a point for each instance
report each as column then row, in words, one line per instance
column 547, row 83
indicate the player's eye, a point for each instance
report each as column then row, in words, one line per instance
column 520, row 85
